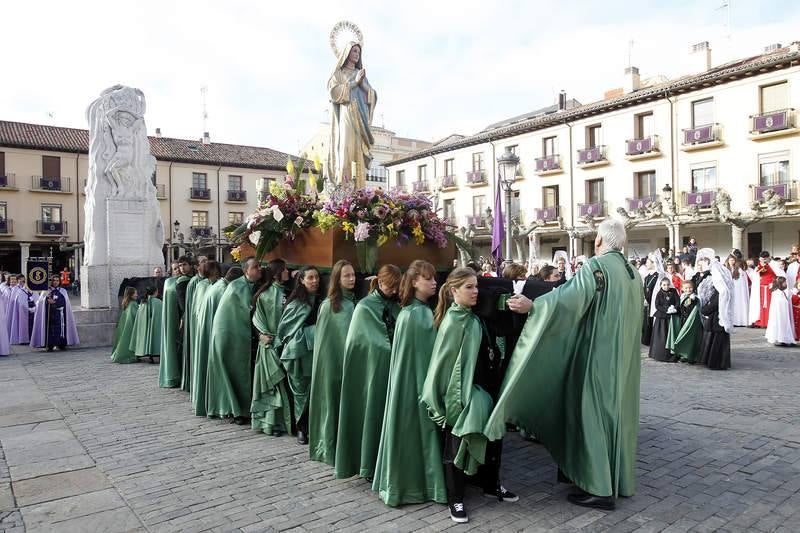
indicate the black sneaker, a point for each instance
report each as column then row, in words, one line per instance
column 502, row 494
column 458, row 513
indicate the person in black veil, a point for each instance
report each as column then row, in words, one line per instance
column 665, row 318
column 650, row 282
column 715, row 291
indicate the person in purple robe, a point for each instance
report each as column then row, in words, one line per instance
column 20, row 310
column 54, row 323
column 5, row 345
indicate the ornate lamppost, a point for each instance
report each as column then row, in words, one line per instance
column 507, row 164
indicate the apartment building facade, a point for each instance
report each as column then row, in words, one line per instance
column 201, row 187
column 667, row 157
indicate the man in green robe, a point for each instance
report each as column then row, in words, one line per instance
column 573, row 378
column 169, row 364
column 188, row 321
column 229, row 385
column 208, row 293
column 146, row 339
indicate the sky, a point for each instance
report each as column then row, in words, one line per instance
column 439, row 67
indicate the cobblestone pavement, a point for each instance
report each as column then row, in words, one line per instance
column 87, row 445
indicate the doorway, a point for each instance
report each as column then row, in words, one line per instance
column 754, row 244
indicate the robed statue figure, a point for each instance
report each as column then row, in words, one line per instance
column 353, row 104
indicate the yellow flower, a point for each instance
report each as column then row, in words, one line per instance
column 290, row 166
column 347, row 227
column 419, row 237
column 317, row 163
column 312, row 182
column 382, row 239
column 236, row 253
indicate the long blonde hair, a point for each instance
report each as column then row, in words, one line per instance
column 127, row 297
column 416, row 269
column 388, row 275
column 456, row 279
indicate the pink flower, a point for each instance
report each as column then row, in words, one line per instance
column 361, row 232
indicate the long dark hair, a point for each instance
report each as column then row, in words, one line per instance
column 299, row 292
column 127, row 297
column 272, row 273
column 546, row 271
column 335, row 294
column 778, row 283
column 416, row 269
column 736, row 270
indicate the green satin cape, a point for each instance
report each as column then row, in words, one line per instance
column 169, row 364
column 573, row 379
column 202, row 339
column 122, row 352
column 229, row 387
column 326, row 378
column 452, row 399
column 146, row 339
column 297, row 352
column 687, row 343
column 365, row 375
column 188, row 323
column 409, row 465
column 270, row 408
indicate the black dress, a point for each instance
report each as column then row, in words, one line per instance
column 716, row 350
column 647, row 323
column 661, row 321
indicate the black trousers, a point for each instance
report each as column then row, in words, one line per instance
column 487, row 477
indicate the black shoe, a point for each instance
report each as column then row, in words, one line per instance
column 49, row 348
column 302, row 438
column 277, row 432
column 458, row 513
column 502, row 494
column 63, row 348
column 584, row 499
column 241, row 420
column 562, row 477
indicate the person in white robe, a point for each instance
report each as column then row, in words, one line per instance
column 780, row 328
column 741, row 292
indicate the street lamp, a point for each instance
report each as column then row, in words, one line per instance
column 667, row 190
column 507, row 164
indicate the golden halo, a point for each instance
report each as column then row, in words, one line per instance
column 344, row 32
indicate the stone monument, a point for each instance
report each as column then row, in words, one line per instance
column 124, row 232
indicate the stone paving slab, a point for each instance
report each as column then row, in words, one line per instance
column 717, row 451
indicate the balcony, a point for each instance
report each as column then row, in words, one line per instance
column 237, row 196
column 701, row 199
column 449, row 183
column 592, row 157
column 479, row 221
column 645, row 148
column 6, row 227
column 161, row 191
column 701, row 138
column 200, row 195
column 201, row 231
column 450, row 221
column 549, row 164
column 420, row 186
column 787, row 191
column 476, row 178
column 400, row 188
column 8, row 182
column 546, row 214
column 773, row 124
column 55, row 185
column 592, row 209
column 636, row 204
column 45, row 228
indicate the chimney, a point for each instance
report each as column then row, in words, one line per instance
column 700, row 57
column 158, row 132
column 562, row 101
column 206, row 138
column 632, row 80
column 774, row 47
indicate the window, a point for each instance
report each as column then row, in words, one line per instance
column 422, row 172
column 643, row 126
column 702, row 112
column 514, row 149
column 263, row 184
column 704, row 178
column 3, row 210
column 549, row 147
column 514, row 204
column 593, row 133
column 200, row 219
column 51, row 213
column 774, row 97
column 550, row 196
column 235, row 217
column 450, row 209
column 477, row 161
column 2, row 163
column 400, row 175
column 773, row 169
column 644, row 184
column 199, row 180
column 448, row 167
column 234, row 183
column 51, row 166
column 594, row 191
column 153, row 178
column 479, row 205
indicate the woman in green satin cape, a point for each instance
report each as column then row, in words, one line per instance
column 121, row 352
column 208, row 293
column 146, row 338
column 169, row 369
column 296, row 341
column 688, row 342
column 270, row 411
column 365, row 376
column 333, row 321
column 189, row 323
column 409, row 465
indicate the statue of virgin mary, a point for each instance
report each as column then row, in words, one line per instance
column 353, row 104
